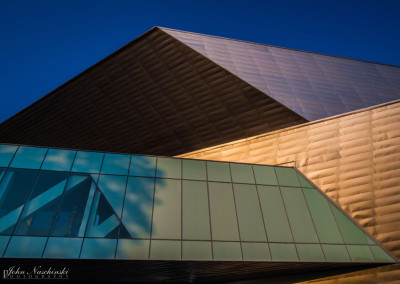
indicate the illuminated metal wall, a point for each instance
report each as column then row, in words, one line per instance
column 354, row 158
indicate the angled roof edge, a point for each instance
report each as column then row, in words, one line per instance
column 164, row 28
column 274, row 132
column 233, row 97
column 233, row 74
column 140, row 37
column 367, row 234
column 275, row 46
column 312, row 85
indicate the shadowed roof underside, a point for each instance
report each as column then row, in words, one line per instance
column 156, row 95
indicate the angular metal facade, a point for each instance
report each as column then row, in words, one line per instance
column 170, row 92
column 353, row 158
column 313, row 85
column 154, row 96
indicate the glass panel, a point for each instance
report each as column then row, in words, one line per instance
column 28, row 157
column 227, row 251
column 87, row 162
column 133, row 249
column 217, row 171
column 165, row 250
column 223, row 213
column 26, row 247
column 283, row 252
column 287, row 176
column 310, row 252
column 299, row 217
column 369, row 241
column 251, row 224
column 255, row 252
column 324, row 221
column 6, row 154
column 58, row 160
column 167, row 210
column 304, row 182
column 14, row 192
column 63, row 248
column 99, row 248
column 117, row 164
column 242, row 173
column 195, row 213
column 138, row 206
column 3, row 244
column 265, row 175
column 143, row 166
column 103, row 221
column 380, row 255
column 350, row 232
column 196, row 250
column 193, row 169
column 169, row 168
column 113, row 188
column 39, row 212
column 336, row 253
column 360, row 253
column 75, row 207
column 276, row 221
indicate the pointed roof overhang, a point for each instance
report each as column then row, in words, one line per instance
column 156, row 95
column 313, row 85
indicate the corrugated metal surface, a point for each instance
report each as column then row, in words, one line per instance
column 154, row 96
column 385, row 274
column 313, row 85
column 354, row 158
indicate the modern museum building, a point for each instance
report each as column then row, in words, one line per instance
column 184, row 157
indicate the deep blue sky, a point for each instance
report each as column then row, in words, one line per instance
column 45, row 43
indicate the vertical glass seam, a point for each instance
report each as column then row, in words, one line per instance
column 8, row 166
column 209, row 213
column 262, row 215
column 123, row 206
column 91, row 205
column 12, row 158
column 23, row 208
column 181, row 207
column 309, row 213
column 333, row 215
column 55, row 216
column 287, row 217
column 373, row 255
column 152, row 208
column 234, row 204
column 62, row 198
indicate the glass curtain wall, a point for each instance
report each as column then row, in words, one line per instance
column 58, row 203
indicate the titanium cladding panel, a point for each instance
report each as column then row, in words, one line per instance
column 313, row 85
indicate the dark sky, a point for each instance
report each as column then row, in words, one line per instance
column 43, row 44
